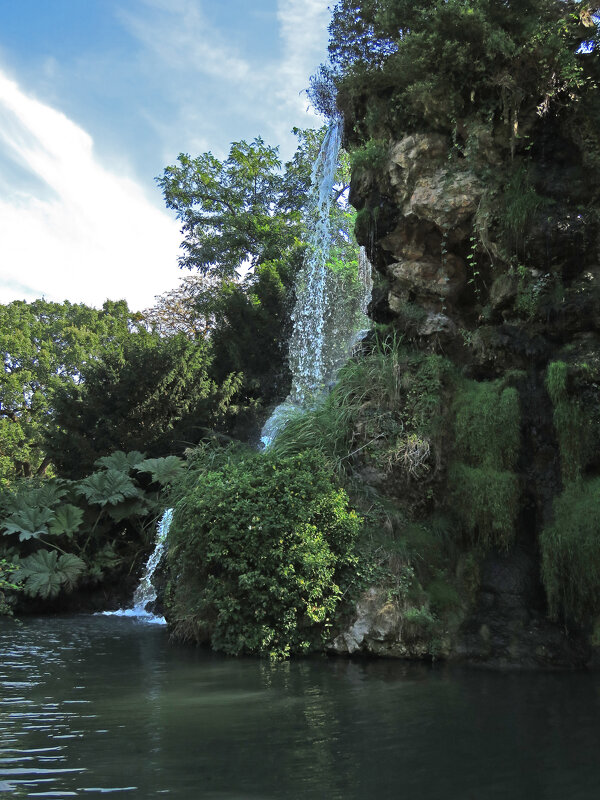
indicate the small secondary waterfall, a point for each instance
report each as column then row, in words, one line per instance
column 325, row 330
column 145, row 592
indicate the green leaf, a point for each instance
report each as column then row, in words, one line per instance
column 129, row 508
column 67, row 520
column 108, row 487
column 70, row 568
column 29, row 524
column 164, row 470
column 39, row 573
column 121, row 461
column 45, row 573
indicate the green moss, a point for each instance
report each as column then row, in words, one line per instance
column 483, row 484
column 571, row 552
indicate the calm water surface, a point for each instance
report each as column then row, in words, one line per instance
column 95, row 705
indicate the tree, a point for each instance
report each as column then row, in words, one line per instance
column 46, row 346
column 437, row 61
column 152, row 394
column 235, row 212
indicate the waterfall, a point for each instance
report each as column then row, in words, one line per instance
column 307, row 341
column 145, row 592
column 325, row 329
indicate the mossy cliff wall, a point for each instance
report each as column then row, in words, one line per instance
column 486, row 251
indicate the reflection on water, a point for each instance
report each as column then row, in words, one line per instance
column 96, row 705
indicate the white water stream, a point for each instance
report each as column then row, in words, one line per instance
column 145, row 592
column 323, row 335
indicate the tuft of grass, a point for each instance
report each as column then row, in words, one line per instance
column 571, row 552
column 482, row 478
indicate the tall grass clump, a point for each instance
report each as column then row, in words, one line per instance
column 571, row 427
column 374, row 379
column 482, row 478
column 571, row 552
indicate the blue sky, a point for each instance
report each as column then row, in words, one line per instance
column 97, row 96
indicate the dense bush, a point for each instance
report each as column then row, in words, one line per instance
column 257, row 552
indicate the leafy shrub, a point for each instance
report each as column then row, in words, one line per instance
column 7, row 583
column 371, row 156
column 257, row 551
column 571, row 552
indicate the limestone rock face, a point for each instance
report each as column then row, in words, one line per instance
column 379, row 628
column 436, row 198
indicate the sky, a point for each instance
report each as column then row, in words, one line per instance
column 98, row 96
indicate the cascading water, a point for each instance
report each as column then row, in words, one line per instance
column 145, row 592
column 307, row 341
column 324, row 329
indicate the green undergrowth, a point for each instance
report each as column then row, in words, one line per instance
column 570, row 545
column 59, row 535
column 483, row 483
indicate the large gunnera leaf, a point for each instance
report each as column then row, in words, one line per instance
column 45, row 573
column 67, row 520
column 29, row 523
column 120, row 460
column 107, row 487
column 164, row 470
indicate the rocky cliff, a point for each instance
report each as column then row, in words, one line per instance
column 487, row 256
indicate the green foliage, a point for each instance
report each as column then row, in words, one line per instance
column 520, row 202
column 7, row 583
column 108, row 487
column 371, row 156
column 67, row 520
column 45, row 573
column 571, row 552
column 257, row 552
column 45, row 346
column 232, row 211
column 29, row 524
column 482, row 481
column 385, row 404
column 152, row 394
column 163, row 470
column 120, row 461
column 64, row 533
column 401, row 64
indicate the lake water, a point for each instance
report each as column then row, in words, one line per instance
column 97, row 705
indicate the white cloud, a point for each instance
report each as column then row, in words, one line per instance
column 182, row 38
column 92, row 234
column 216, row 85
